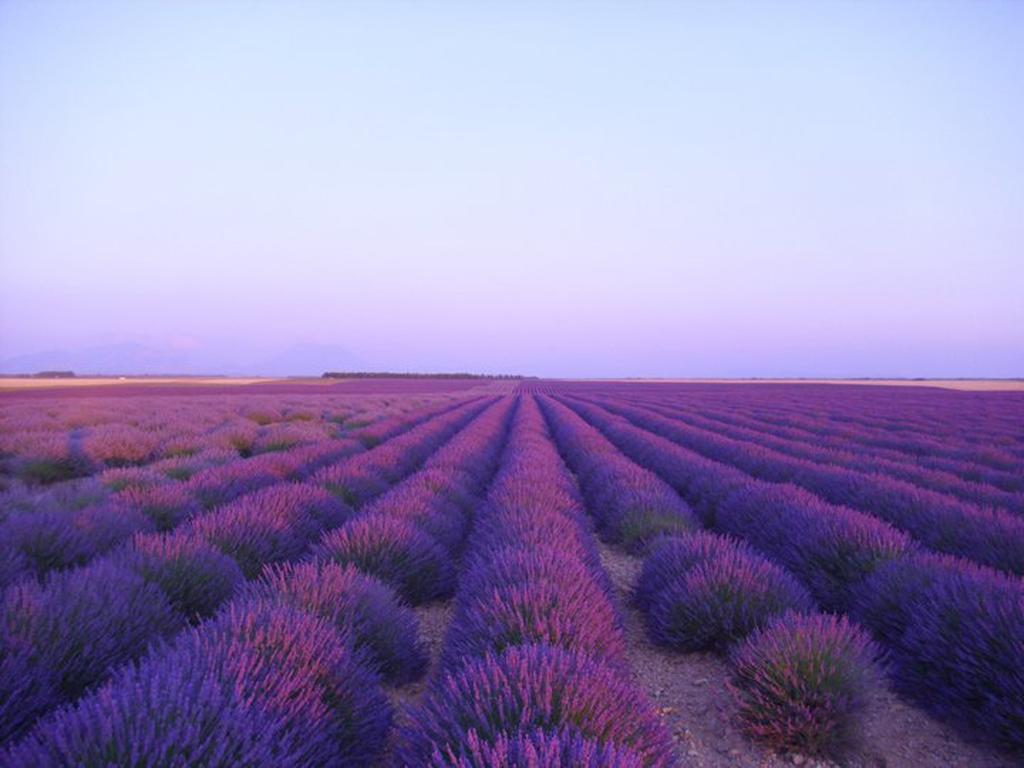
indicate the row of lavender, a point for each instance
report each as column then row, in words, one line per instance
column 939, row 450
column 67, row 438
column 945, row 524
column 953, row 631
column 824, row 450
column 68, row 528
column 533, row 670
column 982, row 426
column 971, row 432
column 62, row 637
column 801, row 678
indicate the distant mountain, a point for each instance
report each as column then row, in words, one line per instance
column 136, row 358
column 124, row 358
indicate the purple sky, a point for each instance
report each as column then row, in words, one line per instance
column 661, row 189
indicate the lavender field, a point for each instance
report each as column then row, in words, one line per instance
column 512, row 573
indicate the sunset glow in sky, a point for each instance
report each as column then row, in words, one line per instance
column 576, row 189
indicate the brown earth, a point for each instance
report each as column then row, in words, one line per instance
column 689, row 693
column 434, row 619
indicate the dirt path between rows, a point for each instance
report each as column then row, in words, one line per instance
column 434, row 619
column 688, row 691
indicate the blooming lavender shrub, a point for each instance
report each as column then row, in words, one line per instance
column 260, row 686
column 354, row 484
column 513, row 564
column 327, row 681
column 430, row 507
column 173, row 713
column 196, row 577
column 394, row 550
column 14, row 566
column 72, row 629
column 530, row 688
column 166, row 505
column 564, row 748
column 535, row 528
column 49, row 540
column 831, row 549
column 27, row 690
column 631, row 504
column 669, row 556
column 576, row 617
column 355, row 603
column 956, row 638
column 118, row 479
column 801, row 683
column 274, row 524
column 709, row 602
column 214, row 485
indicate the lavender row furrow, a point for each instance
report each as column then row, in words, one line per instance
column 707, row 592
column 70, row 440
column 802, row 429
column 987, row 536
column 34, row 543
column 534, row 663
column 954, row 630
column 64, row 636
column 824, row 451
column 412, row 535
column 936, row 438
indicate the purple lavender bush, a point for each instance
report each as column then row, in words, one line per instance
column 351, row 482
column 49, row 540
column 395, row 551
column 67, row 633
column 219, row 484
column 356, row 604
column 564, row 748
column 495, row 528
column 27, row 690
column 166, row 505
column 428, row 506
column 955, row 632
column 275, row 524
column 802, row 683
column 529, row 688
column 669, row 556
column 830, row 549
column 260, row 686
column 720, row 600
column 326, row 680
column 119, row 478
column 577, row 618
column 196, row 577
column 488, row 569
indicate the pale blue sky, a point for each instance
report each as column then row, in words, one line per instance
column 554, row 188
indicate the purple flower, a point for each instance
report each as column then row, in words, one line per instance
column 355, row 603
column 715, row 600
column 194, row 575
column 76, row 626
column 564, row 748
column 275, row 524
column 956, row 634
column 802, row 682
column 576, row 617
column 394, row 550
column 260, row 686
column 492, row 700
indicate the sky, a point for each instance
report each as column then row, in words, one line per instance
column 557, row 189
